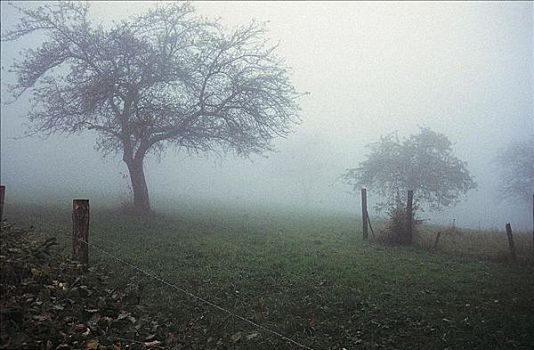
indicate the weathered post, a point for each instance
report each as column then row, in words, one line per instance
column 365, row 223
column 409, row 217
column 437, row 240
column 80, row 230
column 510, row 240
column 2, row 195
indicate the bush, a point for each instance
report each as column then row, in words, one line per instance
column 396, row 230
column 49, row 302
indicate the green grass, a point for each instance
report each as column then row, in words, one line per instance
column 309, row 276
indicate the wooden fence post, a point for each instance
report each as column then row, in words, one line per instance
column 409, row 217
column 80, row 231
column 2, row 195
column 437, row 240
column 364, row 214
column 510, row 240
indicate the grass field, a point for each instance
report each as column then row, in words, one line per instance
column 310, row 277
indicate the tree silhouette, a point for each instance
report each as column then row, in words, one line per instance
column 163, row 78
column 517, row 170
column 423, row 163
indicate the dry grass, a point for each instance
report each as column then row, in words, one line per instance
column 491, row 245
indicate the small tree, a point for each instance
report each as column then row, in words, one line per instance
column 164, row 78
column 423, row 163
column 517, row 170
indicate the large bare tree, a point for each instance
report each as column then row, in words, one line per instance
column 163, row 78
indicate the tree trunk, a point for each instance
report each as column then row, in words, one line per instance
column 139, row 187
column 409, row 218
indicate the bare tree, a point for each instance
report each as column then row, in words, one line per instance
column 166, row 77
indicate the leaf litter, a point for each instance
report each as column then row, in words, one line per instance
column 48, row 302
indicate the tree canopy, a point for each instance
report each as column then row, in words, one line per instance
column 163, row 78
column 517, row 170
column 423, row 162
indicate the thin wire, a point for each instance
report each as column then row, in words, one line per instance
column 370, row 226
column 157, row 278
column 102, row 240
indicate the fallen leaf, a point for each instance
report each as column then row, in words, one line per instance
column 36, row 272
column 152, row 344
column 312, row 321
column 40, row 318
column 123, row 315
column 80, row 327
column 252, row 336
column 91, row 345
column 86, row 333
column 236, row 337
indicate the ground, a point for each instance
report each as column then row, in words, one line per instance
column 308, row 276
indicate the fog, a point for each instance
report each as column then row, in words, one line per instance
column 462, row 69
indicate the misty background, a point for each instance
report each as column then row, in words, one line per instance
column 462, row 69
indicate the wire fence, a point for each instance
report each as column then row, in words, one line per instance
column 166, row 283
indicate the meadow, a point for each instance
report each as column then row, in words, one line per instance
column 309, row 276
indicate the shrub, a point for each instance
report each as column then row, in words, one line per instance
column 396, row 230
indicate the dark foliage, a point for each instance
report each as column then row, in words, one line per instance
column 48, row 303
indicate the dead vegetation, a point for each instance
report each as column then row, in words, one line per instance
column 47, row 303
column 492, row 245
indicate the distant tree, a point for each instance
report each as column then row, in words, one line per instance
column 517, row 170
column 423, row 163
column 163, row 78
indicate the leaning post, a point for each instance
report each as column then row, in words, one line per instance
column 80, row 231
column 365, row 223
column 409, row 217
column 510, row 240
column 2, row 196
